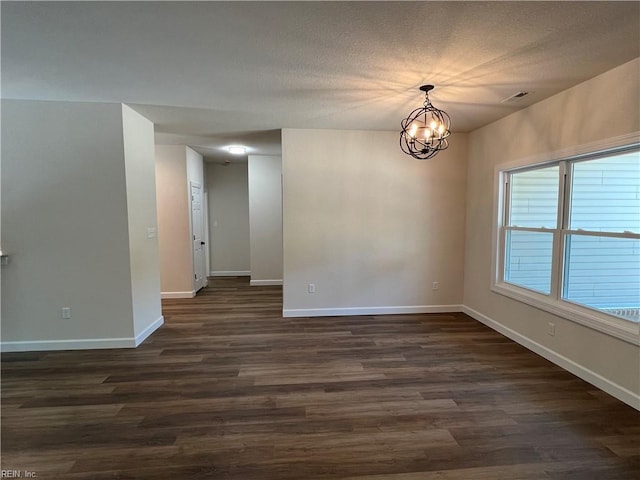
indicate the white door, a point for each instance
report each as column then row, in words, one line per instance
column 200, row 277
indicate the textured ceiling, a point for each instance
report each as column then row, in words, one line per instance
column 210, row 74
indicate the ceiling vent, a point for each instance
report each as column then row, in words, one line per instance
column 516, row 97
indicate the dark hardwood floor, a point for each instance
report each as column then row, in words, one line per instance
column 228, row 389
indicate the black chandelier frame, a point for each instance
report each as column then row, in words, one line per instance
column 425, row 148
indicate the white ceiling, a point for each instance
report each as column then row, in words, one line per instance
column 211, row 74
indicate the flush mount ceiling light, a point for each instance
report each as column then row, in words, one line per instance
column 425, row 130
column 237, row 150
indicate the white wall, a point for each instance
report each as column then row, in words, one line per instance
column 601, row 108
column 174, row 228
column 228, row 219
column 265, row 219
column 139, row 158
column 65, row 224
column 371, row 227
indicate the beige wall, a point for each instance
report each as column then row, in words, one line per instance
column 265, row 219
column 174, row 230
column 601, row 108
column 228, row 195
column 176, row 167
column 139, row 158
column 369, row 226
column 65, row 224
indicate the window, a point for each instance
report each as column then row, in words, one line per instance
column 532, row 218
column 569, row 238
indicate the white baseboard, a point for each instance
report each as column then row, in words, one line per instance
column 255, row 283
column 230, row 273
column 142, row 336
column 190, row 294
column 613, row 389
column 333, row 312
column 82, row 344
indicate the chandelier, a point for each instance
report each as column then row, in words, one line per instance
column 425, row 130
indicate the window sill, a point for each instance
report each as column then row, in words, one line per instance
column 615, row 327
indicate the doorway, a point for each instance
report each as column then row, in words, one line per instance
column 197, row 234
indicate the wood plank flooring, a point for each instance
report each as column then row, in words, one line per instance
column 228, row 389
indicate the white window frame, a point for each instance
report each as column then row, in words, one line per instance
column 553, row 303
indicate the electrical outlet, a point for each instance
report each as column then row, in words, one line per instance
column 435, row 286
column 311, row 288
column 551, row 329
column 66, row 312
